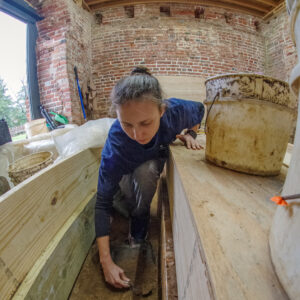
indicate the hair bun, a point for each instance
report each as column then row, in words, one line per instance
column 140, row 70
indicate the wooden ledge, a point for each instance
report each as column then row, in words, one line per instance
column 221, row 222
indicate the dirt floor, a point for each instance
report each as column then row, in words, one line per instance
column 141, row 265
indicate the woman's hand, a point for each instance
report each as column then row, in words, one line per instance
column 114, row 275
column 189, row 141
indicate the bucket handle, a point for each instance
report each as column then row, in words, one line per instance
column 216, row 96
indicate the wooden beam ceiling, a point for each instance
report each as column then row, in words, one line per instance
column 260, row 8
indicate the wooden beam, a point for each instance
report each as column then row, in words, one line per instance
column 56, row 270
column 268, row 2
column 33, row 212
column 247, row 4
column 274, row 11
column 93, row 2
column 242, row 3
column 209, row 3
column 86, row 6
column 167, row 257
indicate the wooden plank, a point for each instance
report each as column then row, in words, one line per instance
column 256, row 4
column 167, row 257
column 209, row 3
column 275, row 10
column 242, row 4
column 86, row 6
column 249, row 4
column 221, row 222
column 93, row 2
column 269, row 2
column 184, row 87
column 56, row 270
column 186, row 245
column 34, row 211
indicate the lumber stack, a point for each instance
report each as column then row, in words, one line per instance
column 51, row 209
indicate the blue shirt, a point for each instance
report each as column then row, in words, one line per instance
column 121, row 155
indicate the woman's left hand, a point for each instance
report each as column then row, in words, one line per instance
column 189, row 141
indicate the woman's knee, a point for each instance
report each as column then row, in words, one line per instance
column 148, row 170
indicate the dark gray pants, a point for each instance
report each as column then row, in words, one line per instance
column 138, row 189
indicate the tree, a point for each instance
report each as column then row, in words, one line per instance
column 5, row 104
column 20, row 107
column 13, row 111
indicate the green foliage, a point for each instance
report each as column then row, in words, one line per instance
column 13, row 111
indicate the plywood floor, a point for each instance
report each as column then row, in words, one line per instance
column 221, row 224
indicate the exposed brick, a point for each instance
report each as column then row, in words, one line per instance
column 216, row 42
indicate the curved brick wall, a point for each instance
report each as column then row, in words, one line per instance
column 281, row 55
column 107, row 45
column 217, row 42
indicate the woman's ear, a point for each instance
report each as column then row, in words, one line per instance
column 162, row 109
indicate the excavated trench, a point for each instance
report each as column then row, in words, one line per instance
column 142, row 265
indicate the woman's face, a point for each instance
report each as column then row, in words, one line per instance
column 140, row 119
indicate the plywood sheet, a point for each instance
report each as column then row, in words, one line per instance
column 230, row 214
column 184, row 87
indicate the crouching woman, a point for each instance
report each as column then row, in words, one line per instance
column 134, row 156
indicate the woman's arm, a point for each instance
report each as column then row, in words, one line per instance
column 113, row 274
column 189, row 141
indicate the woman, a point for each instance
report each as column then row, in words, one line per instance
column 134, row 155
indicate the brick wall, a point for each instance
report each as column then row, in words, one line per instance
column 280, row 52
column 217, row 42
column 193, row 41
column 63, row 42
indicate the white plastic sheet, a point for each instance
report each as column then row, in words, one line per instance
column 89, row 135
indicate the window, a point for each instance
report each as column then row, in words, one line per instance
column 165, row 11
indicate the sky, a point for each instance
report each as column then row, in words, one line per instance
column 12, row 53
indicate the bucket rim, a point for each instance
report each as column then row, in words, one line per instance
column 245, row 74
column 32, row 154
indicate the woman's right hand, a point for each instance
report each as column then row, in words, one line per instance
column 114, row 275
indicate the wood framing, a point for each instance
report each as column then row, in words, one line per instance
column 221, row 223
column 32, row 213
column 56, row 270
column 258, row 8
column 167, row 258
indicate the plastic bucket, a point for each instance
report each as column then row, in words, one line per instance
column 26, row 166
column 249, row 124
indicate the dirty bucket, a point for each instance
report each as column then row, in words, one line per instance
column 35, row 127
column 249, row 122
column 26, row 166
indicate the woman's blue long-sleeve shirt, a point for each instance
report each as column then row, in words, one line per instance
column 122, row 155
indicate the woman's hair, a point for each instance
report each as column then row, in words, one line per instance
column 140, row 85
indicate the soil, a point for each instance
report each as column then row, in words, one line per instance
column 139, row 264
